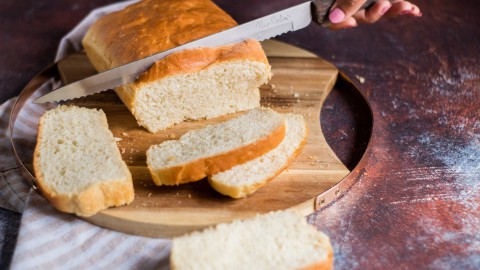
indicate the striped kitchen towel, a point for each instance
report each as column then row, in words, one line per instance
column 49, row 239
column 13, row 188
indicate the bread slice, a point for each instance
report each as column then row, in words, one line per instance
column 215, row 148
column 77, row 162
column 246, row 178
column 277, row 240
column 193, row 84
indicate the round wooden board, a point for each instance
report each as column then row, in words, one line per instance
column 300, row 83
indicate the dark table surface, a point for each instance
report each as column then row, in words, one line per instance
column 416, row 200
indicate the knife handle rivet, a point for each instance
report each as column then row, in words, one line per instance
column 322, row 201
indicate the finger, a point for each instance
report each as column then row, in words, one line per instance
column 347, row 23
column 343, row 9
column 416, row 11
column 403, row 8
column 373, row 13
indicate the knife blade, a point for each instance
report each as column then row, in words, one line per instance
column 290, row 19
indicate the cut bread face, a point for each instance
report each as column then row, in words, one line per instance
column 246, row 178
column 77, row 163
column 277, row 240
column 216, row 148
column 217, row 90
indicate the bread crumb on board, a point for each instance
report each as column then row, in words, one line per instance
column 360, row 79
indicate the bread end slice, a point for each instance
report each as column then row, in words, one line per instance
column 77, row 163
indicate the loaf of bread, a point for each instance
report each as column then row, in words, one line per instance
column 77, row 162
column 246, row 178
column 215, row 148
column 277, row 240
column 192, row 84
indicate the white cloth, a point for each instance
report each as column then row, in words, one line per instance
column 49, row 239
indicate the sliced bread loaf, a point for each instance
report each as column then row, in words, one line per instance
column 77, row 162
column 277, row 240
column 246, row 178
column 192, row 84
column 216, row 148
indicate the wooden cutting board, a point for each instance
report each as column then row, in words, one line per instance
column 300, row 84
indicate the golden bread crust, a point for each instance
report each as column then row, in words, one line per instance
column 190, row 61
column 152, row 26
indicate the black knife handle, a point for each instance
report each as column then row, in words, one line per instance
column 321, row 9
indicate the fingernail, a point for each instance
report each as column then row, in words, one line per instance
column 405, row 12
column 385, row 8
column 336, row 16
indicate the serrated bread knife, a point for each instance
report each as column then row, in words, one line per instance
column 290, row 19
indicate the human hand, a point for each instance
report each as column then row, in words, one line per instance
column 348, row 13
